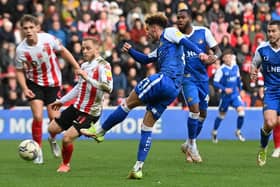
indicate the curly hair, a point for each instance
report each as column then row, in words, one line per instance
column 157, row 19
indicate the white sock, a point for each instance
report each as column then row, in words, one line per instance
column 138, row 164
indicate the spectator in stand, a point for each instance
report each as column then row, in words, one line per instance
column 238, row 33
column 58, row 32
column 248, row 14
column 135, row 13
column 234, row 9
column 103, row 23
column 214, row 13
column 219, row 28
column 225, row 43
column 200, row 20
column 85, row 23
column 275, row 15
column 92, row 32
column 85, row 8
column 137, row 31
column 20, row 10
column 98, row 6
column 261, row 9
column 119, row 83
column 107, row 46
column 6, row 32
column 258, row 39
column 114, row 13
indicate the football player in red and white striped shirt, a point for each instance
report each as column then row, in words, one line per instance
column 95, row 79
column 39, row 75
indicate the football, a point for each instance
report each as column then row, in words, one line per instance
column 28, row 149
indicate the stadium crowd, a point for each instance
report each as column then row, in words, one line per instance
column 236, row 24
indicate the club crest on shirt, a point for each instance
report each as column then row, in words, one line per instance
column 178, row 34
column 109, row 75
column 200, row 41
column 265, row 58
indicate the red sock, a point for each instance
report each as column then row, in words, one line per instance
column 37, row 131
column 276, row 136
column 67, row 151
column 52, row 135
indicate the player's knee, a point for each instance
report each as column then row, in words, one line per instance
column 222, row 115
column 146, row 128
column 193, row 115
column 66, row 139
column 270, row 122
column 241, row 113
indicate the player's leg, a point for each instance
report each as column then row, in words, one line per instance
column 158, row 97
column 203, row 105
column 50, row 95
column 138, row 96
column 114, row 118
column 276, row 140
column 190, row 94
column 37, row 123
column 53, row 130
column 270, row 114
column 270, row 120
column 67, row 148
column 144, row 145
column 223, row 107
column 240, row 122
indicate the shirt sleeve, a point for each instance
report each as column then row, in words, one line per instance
column 210, row 38
column 257, row 59
column 173, row 35
column 18, row 60
column 218, row 75
column 55, row 43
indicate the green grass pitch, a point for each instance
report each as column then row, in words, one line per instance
column 226, row 164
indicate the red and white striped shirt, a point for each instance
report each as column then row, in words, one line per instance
column 39, row 61
column 90, row 95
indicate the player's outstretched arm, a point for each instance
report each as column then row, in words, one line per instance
column 138, row 56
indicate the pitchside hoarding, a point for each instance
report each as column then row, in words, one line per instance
column 16, row 124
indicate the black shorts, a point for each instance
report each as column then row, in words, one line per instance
column 44, row 93
column 73, row 117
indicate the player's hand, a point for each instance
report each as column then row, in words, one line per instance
column 83, row 74
column 76, row 70
column 28, row 93
column 211, row 59
column 254, row 74
column 228, row 90
column 203, row 57
column 126, row 46
column 56, row 105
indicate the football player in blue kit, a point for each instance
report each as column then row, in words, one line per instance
column 156, row 91
column 227, row 79
column 195, row 83
column 267, row 58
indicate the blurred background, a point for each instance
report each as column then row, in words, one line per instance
column 236, row 24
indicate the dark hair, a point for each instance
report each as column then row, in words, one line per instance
column 188, row 11
column 227, row 51
column 157, row 19
column 28, row 18
column 275, row 22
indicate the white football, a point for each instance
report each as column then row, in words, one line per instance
column 28, row 149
